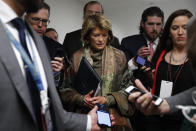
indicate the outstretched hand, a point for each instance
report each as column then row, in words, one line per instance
column 145, row 103
column 93, row 115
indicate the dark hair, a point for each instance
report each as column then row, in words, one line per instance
column 151, row 11
column 51, row 29
column 191, row 42
column 92, row 3
column 43, row 5
column 93, row 21
column 165, row 42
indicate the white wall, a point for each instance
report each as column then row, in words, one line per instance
column 66, row 15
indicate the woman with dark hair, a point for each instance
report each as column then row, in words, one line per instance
column 173, row 70
column 110, row 64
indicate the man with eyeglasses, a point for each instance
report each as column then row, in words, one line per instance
column 72, row 41
column 39, row 21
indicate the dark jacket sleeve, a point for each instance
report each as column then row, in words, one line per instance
column 124, row 48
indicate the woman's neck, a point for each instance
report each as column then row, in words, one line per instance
column 179, row 50
column 96, row 51
column 177, row 56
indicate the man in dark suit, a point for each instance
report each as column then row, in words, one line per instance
column 19, row 94
column 72, row 41
column 150, row 29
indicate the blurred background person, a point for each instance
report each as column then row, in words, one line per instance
column 39, row 21
column 72, row 41
column 51, row 33
column 110, row 64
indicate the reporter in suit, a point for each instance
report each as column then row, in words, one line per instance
column 150, row 29
column 72, row 41
column 17, row 100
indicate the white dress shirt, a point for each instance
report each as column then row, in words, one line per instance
column 7, row 14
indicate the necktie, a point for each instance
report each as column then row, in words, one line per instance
column 151, row 49
column 20, row 26
column 35, row 94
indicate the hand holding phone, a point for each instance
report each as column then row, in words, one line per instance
column 103, row 116
column 143, row 62
column 132, row 89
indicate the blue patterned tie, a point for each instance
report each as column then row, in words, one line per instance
column 20, row 26
column 35, row 95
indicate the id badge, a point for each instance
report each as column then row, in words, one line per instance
column 44, row 98
column 166, row 89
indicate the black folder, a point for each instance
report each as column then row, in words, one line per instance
column 86, row 78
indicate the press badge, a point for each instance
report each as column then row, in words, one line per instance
column 44, row 100
column 166, row 89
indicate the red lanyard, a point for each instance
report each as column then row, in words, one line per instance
column 155, row 73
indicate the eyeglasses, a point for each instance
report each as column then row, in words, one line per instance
column 36, row 20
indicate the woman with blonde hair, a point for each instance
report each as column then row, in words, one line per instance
column 110, row 64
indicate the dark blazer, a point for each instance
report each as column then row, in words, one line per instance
column 55, row 49
column 16, row 109
column 72, row 42
column 131, row 44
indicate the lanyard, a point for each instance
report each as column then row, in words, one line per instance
column 31, row 64
column 176, row 74
column 156, row 69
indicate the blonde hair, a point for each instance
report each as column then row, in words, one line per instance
column 93, row 21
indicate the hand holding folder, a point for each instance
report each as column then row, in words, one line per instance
column 87, row 78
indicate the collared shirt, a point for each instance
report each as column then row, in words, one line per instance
column 155, row 43
column 7, row 14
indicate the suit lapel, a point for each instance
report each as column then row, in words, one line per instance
column 44, row 58
column 9, row 59
column 42, row 51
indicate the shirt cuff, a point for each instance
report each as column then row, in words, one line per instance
column 131, row 66
column 88, row 127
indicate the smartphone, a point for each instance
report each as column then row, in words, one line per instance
column 143, row 62
column 103, row 116
column 132, row 89
column 59, row 52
